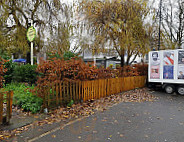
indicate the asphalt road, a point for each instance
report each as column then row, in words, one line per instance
column 159, row 121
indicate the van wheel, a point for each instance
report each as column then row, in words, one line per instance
column 169, row 89
column 180, row 90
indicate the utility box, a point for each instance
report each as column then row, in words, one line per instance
column 166, row 67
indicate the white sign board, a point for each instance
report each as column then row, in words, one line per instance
column 31, row 34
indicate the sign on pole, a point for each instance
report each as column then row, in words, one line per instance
column 31, row 34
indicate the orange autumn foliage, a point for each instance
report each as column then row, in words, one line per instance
column 58, row 70
column 2, row 71
column 75, row 69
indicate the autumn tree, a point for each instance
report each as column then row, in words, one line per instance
column 118, row 23
column 18, row 15
column 63, row 36
column 172, row 22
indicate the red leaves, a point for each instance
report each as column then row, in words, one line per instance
column 2, row 71
column 57, row 70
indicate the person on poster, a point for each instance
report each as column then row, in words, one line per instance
column 168, row 72
column 155, row 58
column 181, row 57
column 181, row 75
column 155, row 72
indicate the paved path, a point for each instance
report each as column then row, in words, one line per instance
column 160, row 121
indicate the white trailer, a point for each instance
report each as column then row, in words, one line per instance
column 166, row 67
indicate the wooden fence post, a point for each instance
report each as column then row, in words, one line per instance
column 87, row 90
column 57, row 93
column 80, row 92
column 1, row 108
column 73, row 94
column 9, row 106
column 60, row 93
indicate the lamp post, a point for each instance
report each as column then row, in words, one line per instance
column 160, row 20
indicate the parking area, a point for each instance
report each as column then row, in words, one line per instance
column 158, row 121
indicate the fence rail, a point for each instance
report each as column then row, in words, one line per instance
column 6, row 113
column 61, row 93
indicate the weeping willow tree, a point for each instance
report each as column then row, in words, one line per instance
column 67, row 35
column 118, row 23
column 17, row 16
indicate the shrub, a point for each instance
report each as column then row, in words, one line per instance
column 74, row 69
column 24, row 98
column 118, row 66
column 4, row 55
column 25, row 73
column 142, row 69
column 57, row 70
column 2, row 71
column 10, row 66
column 66, row 56
column 111, row 66
column 30, row 102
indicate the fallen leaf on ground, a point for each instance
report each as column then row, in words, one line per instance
column 85, row 109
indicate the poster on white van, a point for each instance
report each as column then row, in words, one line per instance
column 168, row 72
column 181, row 72
column 155, row 58
column 180, row 57
column 168, row 58
column 155, row 72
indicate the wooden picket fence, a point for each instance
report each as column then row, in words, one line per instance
column 8, row 100
column 61, row 93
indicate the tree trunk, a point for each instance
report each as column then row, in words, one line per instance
column 122, row 58
column 128, row 59
column 28, row 60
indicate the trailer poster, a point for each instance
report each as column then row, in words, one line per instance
column 168, row 58
column 155, row 58
column 155, row 72
column 168, row 72
column 180, row 57
column 181, row 72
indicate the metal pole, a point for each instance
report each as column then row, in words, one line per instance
column 31, row 47
column 160, row 16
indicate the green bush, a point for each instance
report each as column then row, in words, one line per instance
column 8, row 76
column 111, row 66
column 4, row 54
column 9, row 65
column 25, row 73
column 24, row 98
column 118, row 66
column 68, row 55
column 29, row 102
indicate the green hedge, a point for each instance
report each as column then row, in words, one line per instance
column 25, row 73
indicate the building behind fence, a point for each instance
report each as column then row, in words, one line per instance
column 61, row 93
